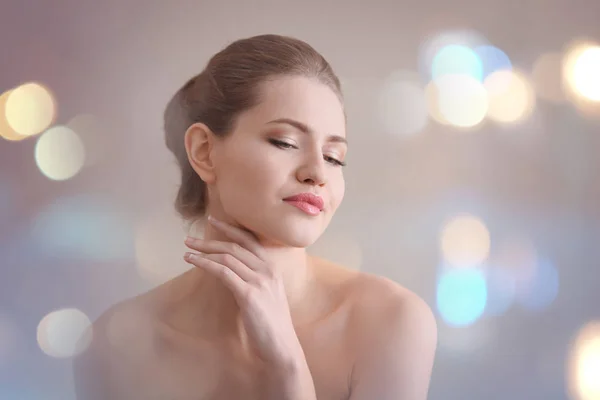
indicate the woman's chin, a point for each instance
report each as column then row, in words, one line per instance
column 303, row 238
column 284, row 232
column 293, row 238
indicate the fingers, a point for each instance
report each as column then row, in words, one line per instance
column 232, row 275
column 236, row 263
column 239, row 236
column 217, row 247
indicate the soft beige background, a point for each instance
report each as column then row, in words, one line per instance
column 121, row 60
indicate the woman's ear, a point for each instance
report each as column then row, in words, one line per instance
column 199, row 146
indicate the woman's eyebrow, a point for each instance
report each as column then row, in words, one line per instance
column 306, row 129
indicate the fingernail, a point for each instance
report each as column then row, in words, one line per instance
column 188, row 256
column 188, row 240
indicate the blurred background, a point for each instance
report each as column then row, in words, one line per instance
column 472, row 179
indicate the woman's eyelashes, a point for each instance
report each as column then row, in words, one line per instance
column 284, row 145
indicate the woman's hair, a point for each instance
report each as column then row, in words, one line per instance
column 228, row 86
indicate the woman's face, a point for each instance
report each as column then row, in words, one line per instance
column 263, row 162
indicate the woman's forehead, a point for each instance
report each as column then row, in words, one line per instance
column 304, row 100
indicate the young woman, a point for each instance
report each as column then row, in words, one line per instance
column 260, row 136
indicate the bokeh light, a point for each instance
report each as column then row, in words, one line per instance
column 465, row 241
column 501, row 290
column 60, row 333
column 457, row 62
column 432, row 97
column 583, row 372
column 492, row 59
column 539, row 292
column 457, row 59
column 85, row 227
column 517, row 254
column 59, row 153
column 529, row 278
column 579, row 76
column 6, row 131
column 511, row 97
column 461, row 295
column 30, row 109
column 432, row 46
column 462, row 100
column 585, row 75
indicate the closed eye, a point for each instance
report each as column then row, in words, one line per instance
column 284, row 145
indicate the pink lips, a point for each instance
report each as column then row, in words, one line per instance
column 307, row 202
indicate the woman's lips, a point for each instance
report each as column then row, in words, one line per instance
column 304, row 206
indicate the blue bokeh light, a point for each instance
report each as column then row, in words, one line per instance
column 461, row 295
column 457, row 59
column 83, row 227
column 493, row 59
column 540, row 291
column 501, row 290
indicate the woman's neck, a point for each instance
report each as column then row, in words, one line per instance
column 203, row 306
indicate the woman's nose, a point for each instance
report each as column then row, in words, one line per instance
column 313, row 171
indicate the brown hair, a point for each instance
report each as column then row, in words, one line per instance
column 229, row 85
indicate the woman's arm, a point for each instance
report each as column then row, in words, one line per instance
column 396, row 358
column 293, row 382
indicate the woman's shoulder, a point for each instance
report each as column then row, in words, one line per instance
column 113, row 328
column 389, row 318
column 377, row 290
column 121, row 336
column 128, row 324
column 377, row 301
column 366, row 290
column 372, row 298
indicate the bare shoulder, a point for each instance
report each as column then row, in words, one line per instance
column 381, row 307
column 395, row 338
column 378, row 304
column 92, row 366
column 119, row 335
column 379, row 290
column 372, row 296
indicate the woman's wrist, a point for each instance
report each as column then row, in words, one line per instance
column 291, row 380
